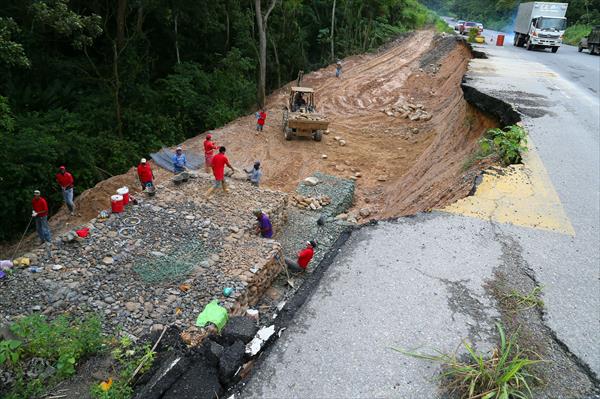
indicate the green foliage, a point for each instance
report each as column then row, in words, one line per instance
column 521, row 302
column 128, row 358
column 10, row 352
column 508, row 144
column 11, row 53
column 63, row 342
column 503, row 374
column 473, row 33
column 575, row 33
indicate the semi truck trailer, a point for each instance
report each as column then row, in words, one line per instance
column 540, row 25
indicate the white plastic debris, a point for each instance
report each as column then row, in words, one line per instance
column 266, row 332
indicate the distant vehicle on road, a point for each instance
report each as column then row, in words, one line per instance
column 591, row 42
column 467, row 26
column 540, row 24
column 458, row 25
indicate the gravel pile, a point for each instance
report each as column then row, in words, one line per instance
column 157, row 263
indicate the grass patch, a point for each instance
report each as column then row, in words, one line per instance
column 46, row 352
column 575, row 33
column 521, row 302
column 441, row 26
column 503, row 374
column 130, row 360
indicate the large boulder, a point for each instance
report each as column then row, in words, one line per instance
column 239, row 328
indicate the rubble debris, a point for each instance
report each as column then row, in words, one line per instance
column 310, row 203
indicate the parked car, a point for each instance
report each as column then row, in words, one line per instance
column 591, row 42
column 458, row 25
column 467, row 26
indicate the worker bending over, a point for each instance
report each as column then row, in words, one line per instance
column 304, row 258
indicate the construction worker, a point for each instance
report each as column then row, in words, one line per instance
column 304, row 258
column 145, row 174
column 40, row 214
column 218, row 165
column 65, row 181
column 179, row 161
column 260, row 120
column 264, row 228
column 209, row 147
column 338, row 69
column 254, row 174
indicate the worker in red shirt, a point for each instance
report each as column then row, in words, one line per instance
column 304, row 258
column 40, row 214
column 218, row 165
column 66, row 183
column 209, row 147
column 145, row 174
column 261, row 116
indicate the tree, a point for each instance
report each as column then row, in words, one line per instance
column 332, row 30
column 261, row 23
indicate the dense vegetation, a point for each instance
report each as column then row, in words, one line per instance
column 499, row 14
column 96, row 85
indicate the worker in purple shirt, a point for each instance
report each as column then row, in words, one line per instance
column 264, row 227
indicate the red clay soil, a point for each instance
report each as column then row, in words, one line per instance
column 420, row 161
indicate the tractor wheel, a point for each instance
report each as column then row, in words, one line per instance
column 285, row 119
column 516, row 40
column 554, row 49
column 288, row 134
column 318, row 135
column 579, row 48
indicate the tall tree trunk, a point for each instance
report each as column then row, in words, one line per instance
column 227, row 27
column 176, row 37
column 261, row 24
column 332, row 27
column 276, row 62
column 121, row 17
column 116, row 90
column 140, row 20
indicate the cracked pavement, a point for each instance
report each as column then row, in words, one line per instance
column 419, row 283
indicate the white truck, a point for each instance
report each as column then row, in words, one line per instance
column 540, row 24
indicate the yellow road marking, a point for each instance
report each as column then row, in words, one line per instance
column 522, row 195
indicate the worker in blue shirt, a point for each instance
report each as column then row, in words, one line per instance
column 254, row 174
column 179, row 161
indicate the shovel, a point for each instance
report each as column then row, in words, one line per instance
column 281, row 261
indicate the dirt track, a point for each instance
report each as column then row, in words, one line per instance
column 420, row 161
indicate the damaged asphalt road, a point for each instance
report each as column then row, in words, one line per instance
column 426, row 283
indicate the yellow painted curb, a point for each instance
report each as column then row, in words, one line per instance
column 522, row 195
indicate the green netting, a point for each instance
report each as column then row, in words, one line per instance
column 173, row 267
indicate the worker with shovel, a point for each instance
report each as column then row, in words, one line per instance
column 40, row 214
column 218, row 165
column 209, row 147
column 304, row 258
column 66, row 183
column 145, row 174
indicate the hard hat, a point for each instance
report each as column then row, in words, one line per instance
column 36, row 192
column 143, row 160
column 62, row 167
column 179, row 149
column 209, row 136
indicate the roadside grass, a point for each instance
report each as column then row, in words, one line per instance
column 506, row 373
column 441, row 26
column 519, row 302
column 575, row 33
column 45, row 352
column 130, row 360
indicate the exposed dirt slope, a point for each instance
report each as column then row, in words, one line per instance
column 405, row 166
